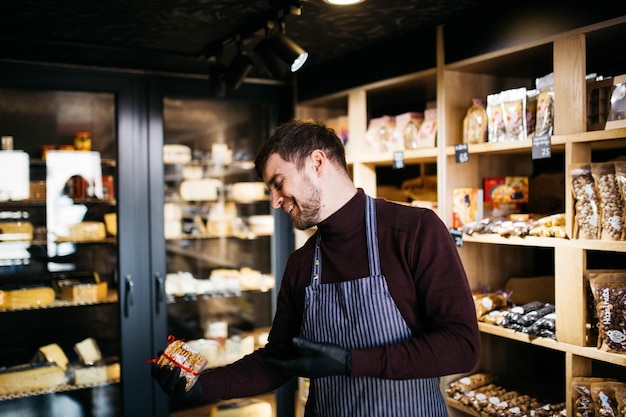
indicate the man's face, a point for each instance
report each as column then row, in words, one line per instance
column 293, row 191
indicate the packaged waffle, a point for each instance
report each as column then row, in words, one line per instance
column 190, row 362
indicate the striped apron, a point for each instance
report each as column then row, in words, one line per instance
column 360, row 314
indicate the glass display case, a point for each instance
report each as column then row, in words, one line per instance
column 86, row 196
column 218, row 228
column 58, row 254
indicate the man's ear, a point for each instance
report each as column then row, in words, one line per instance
column 318, row 159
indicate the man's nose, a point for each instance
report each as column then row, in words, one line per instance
column 277, row 200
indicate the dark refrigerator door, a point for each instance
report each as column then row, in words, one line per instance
column 218, row 226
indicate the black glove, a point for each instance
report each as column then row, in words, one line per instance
column 326, row 359
column 173, row 384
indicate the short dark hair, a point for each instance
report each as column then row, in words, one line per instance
column 296, row 139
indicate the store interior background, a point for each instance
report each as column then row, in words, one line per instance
column 348, row 47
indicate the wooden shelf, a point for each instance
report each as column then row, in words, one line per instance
column 583, row 351
column 546, row 242
column 58, row 388
column 490, row 259
column 458, row 406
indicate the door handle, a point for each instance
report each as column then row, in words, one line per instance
column 130, row 294
column 160, row 291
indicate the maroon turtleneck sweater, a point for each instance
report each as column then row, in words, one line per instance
column 425, row 278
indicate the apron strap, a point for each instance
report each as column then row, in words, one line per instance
column 372, row 237
column 316, row 271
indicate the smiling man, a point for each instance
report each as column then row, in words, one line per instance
column 373, row 308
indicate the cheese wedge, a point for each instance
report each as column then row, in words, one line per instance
column 54, row 354
column 30, row 378
column 96, row 374
column 84, row 292
column 26, row 298
column 114, row 371
column 88, row 351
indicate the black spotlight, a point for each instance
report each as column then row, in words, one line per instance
column 279, row 52
column 217, row 87
column 271, row 61
column 288, row 51
column 238, row 69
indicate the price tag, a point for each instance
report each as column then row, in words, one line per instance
column 398, row 160
column 542, row 147
column 461, row 155
column 457, row 236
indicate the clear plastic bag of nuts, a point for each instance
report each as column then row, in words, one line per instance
column 611, row 201
column 586, row 202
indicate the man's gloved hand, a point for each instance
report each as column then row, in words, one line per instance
column 173, row 384
column 326, row 359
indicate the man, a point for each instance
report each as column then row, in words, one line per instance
column 374, row 307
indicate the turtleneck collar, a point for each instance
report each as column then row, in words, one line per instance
column 345, row 221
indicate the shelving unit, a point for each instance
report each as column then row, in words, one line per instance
column 491, row 260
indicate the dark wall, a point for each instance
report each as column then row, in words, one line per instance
column 494, row 26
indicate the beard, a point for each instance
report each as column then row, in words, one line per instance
column 308, row 211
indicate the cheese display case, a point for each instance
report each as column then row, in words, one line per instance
column 58, row 268
column 78, row 311
column 84, row 250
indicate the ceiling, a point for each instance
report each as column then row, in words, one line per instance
column 185, row 36
column 347, row 46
